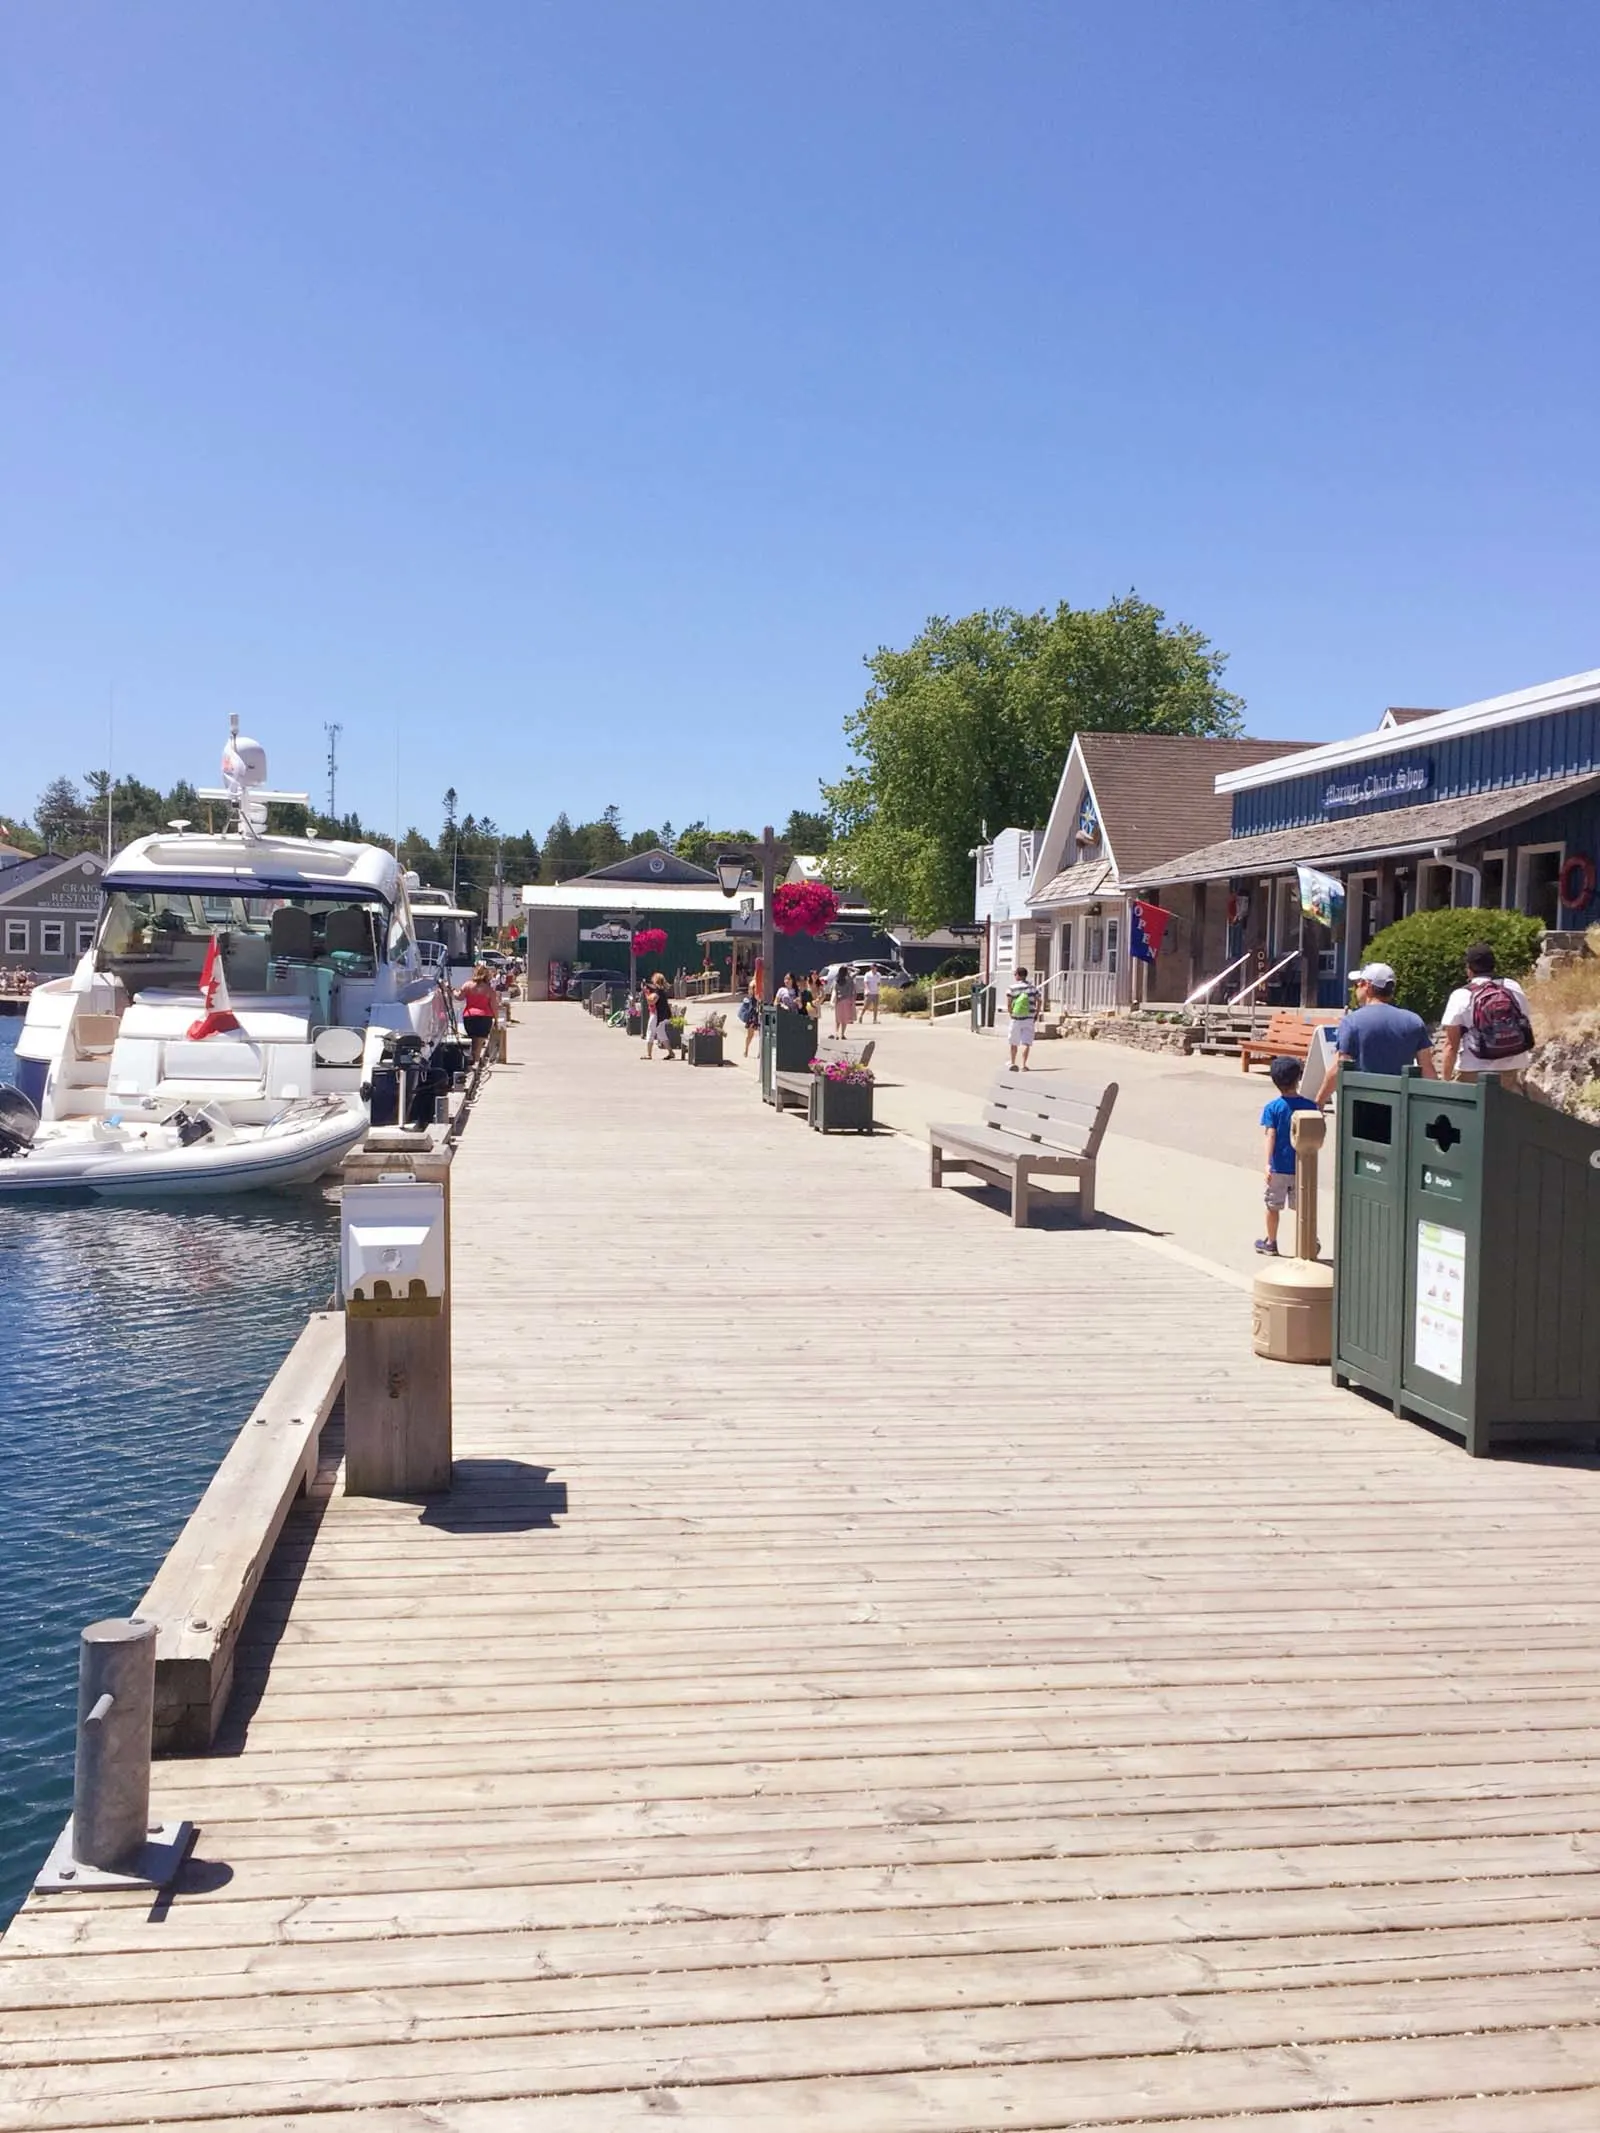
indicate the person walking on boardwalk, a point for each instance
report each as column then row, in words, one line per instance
column 1277, row 1120
column 1377, row 1037
column 1488, row 1028
column 871, row 986
column 750, row 1015
column 788, row 994
column 479, row 1006
column 1022, row 1005
column 844, row 999
column 658, row 1013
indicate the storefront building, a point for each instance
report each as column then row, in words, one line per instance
column 1495, row 804
column 49, row 907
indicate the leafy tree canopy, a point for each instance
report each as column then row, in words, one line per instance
column 970, row 726
column 808, row 830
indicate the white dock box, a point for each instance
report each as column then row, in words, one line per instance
column 393, row 1242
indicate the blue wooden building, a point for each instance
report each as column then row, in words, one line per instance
column 1495, row 804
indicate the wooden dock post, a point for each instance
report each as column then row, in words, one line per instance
column 396, row 1266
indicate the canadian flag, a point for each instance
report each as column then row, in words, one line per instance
column 214, row 994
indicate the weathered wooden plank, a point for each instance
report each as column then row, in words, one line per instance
column 786, row 1720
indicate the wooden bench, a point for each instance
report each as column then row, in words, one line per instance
column 798, row 1084
column 203, row 1590
column 1287, row 1036
column 1032, row 1126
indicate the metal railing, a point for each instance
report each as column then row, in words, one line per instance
column 950, row 996
column 1081, row 992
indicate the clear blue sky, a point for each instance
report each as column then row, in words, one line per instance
column 583, row 388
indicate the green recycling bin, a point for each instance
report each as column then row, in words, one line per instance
column 1467, row 1258
column 788, row 1045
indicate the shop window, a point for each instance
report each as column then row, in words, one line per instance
column 1492, row 895
column 1539, row 882
column 16, row 936
column 85, row 935
column 52, row 937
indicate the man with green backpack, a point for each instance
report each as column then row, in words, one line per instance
column 1022, row 1005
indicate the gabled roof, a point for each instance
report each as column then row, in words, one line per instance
column 1393, row 831
column 1404, row 715
column 1156, row 791
column 659, row 867
column 28, row 873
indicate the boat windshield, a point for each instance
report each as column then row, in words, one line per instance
column 155, row 939
column 450, row 934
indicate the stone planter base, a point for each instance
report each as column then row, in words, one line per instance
column 1133, row 1031
column 840, row 1106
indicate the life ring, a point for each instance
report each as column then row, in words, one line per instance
column 1576, row 882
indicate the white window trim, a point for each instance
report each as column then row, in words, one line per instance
column 16, row 936
column 1527, row 853
column 48, row 926
column 85, row 935
column 1485, row 861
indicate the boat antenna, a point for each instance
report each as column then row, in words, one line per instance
column 111, row 729
column 333, row 732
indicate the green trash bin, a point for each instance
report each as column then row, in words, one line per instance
column 788, row 1045
column 1489, row 1244
column 1368, row 1249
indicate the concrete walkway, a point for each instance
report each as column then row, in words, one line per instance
column 878, row 1671
column 1182, row 1159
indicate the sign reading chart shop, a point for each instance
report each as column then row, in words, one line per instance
column 1439, row 1328
column 1379, row 785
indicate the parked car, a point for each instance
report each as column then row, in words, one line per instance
column 888, row 973
column 583, row 982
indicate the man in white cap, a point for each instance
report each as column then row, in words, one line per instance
column 1377, row 1037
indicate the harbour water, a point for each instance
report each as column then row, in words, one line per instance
column 133, row 1339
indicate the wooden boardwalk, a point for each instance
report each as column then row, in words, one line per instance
column 879, row 1670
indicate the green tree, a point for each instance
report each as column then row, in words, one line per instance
column 563, row 855
column 808, row 830
column 971, row 724
column 601, row 842
column 700, row 846
column 61, row 818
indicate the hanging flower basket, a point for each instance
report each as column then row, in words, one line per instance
column 650, row 941
column 804, row 907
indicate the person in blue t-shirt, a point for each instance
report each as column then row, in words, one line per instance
column 1280, row 1145
column 1377, row 1037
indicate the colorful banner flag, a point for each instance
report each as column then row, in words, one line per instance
column 1321, row 896
column 1147, row 929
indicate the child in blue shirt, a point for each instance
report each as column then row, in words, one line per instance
column 1279, row 1147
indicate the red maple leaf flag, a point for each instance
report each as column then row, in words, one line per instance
column 218, row 1014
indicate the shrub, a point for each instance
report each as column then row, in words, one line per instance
column 1425, row 952
column 958, row 966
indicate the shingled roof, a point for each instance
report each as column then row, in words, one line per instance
column 1392, row 829
column 1156, row 790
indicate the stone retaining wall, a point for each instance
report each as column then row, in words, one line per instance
column 1133, row 1031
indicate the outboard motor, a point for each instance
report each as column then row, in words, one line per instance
column 18, row 1122
column 392, row 1080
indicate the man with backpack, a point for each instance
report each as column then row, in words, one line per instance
column 1487, row 1026
column 1022, row 1005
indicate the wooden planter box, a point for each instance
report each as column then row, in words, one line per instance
column 635, row 1024
column 840, row 1106
column 705, row 1049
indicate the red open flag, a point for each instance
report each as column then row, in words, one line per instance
column 1147, row 931
column 218, row 1014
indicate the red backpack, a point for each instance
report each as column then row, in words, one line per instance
column 1500, row 1029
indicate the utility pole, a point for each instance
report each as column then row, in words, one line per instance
column 333, row 732
column 455, row 838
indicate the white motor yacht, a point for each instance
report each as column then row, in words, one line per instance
column 250, row 1003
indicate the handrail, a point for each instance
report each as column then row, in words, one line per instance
column 1282, row 963
column 1200, row 991
column 955, row 1005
